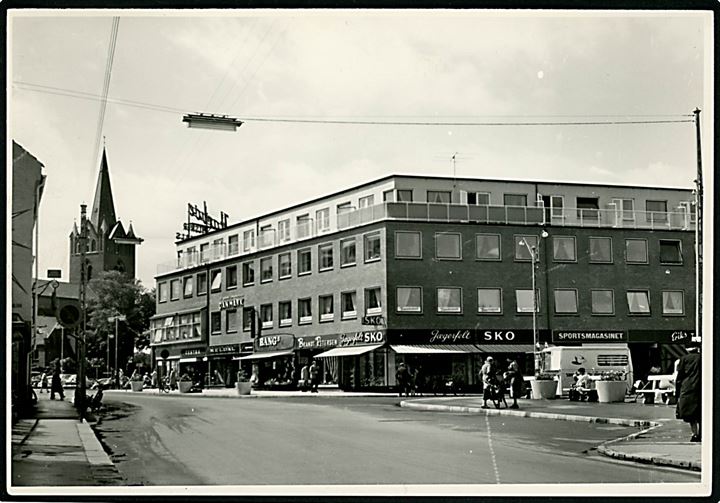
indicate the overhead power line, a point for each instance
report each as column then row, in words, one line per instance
column 106, row 85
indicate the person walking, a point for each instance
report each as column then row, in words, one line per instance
column 172, row 379
column 403, row 378
column 314, row 377
column 305, row 378
column 515, row 378
column 154, row 379
column 688, row 390
column 488, row 374
column 44, row 382
column 56, row 385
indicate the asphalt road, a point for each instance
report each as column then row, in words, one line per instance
column 187, row 441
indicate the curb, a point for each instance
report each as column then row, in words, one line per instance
column 203, row 395
column 102, row 469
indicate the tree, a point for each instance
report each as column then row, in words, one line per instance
column 112, row 294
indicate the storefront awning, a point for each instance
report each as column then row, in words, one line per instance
column 505, row 348
column 435, row 349
column 269, row 354
column 193, row 359
column 348, row 351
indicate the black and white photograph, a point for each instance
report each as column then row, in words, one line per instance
column 358, row 252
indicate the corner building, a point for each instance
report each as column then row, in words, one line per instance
column 435, row 272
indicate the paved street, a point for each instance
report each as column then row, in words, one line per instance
column 163, row 440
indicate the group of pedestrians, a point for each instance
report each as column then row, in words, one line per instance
column 495, row 379
column 408, row 381
column 55, row 383
column 310, row 377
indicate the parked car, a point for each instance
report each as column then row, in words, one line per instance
column 70, row 381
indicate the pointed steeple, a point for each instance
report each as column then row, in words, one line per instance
column 103, row 208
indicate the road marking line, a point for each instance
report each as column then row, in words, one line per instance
column 492, row 451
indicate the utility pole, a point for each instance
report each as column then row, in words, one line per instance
column 698, row 228
column 80, row 393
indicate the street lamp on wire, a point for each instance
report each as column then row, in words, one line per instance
column 533, row 261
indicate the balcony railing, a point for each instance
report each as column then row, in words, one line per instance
column 434, row 212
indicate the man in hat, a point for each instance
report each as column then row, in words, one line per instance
column 488, row 374
column 403, row 378
column 688, row 389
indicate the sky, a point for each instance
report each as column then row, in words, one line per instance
column 407, row 66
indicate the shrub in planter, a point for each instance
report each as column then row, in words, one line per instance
column 543, row 386
column 185, row 383
column 243, row 385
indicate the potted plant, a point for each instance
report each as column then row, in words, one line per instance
column 611, row 386
column 136, row 382
column 185, row 383
column 243, row 384
column 543, row 386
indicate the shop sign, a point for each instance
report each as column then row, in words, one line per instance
column 590, row 336
column 193, row 352
column 359, row 338
column 231, row 302
column 246, row 347
column 663, row 336
column 374, row 320
column 227, row 349
column 277, row 342
column 319, row 341
column 451, row 337
column 463, row 336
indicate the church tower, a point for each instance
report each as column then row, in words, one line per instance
column 109, row 245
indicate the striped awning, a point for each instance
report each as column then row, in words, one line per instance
column 268, row 354
column 348, row 351
column 505, row 348
column 428, row 349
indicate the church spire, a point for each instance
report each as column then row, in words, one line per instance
column 103, row 208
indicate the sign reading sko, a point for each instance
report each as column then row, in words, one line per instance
column 589, row 336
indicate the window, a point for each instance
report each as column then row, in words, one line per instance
column 656, row 211
column 191, row 256
column 215, row 320
column 438, row 196
column 638, row 301
column 344, row 207
column 285, row 313
column 347, row 252
column 588, row 208
column 624, row 209
column 564, row 249
column 409, row 299
column 601, row 250
column 489, row 301
column 267, row 234
column 673, row 302
column 304, row 261
column 202, row 283
column 174, row 289
column 204, row 252
column 302, row 224
column 447, row 246
column 304, row 311
column 514, row 200
column 266, row 315
column 217, row 248
column 322, row 220
column 348, row 305
column 521, row 250
column 479, row 198
column 636, row 251
column 557, row 204
column 233, row 247
column 284, row 230
column 524, row 301
column 603, row 302
column 231, row 321
column 487, row 246
column 325, row 257
column 248, row 240
column 408, row 244
column 566, row 301
column 326, row 307
column 670, row 252
column 372, row 247
column 162, row 292
column 388, row 196
column 284, row 265
column 449, row 300
column 372, row 301
column 248, row 273
column 188, row 286
column 248, row 313
column 215, row 280
column 404, row 196
column 266, row 269
column 231, row 277
column 367, row 201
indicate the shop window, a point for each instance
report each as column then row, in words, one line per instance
column 638, row 301
column 636, row 251
column 326, row 308
column 673, row 302
column 285, row 313
column 188, row 286
column 162, row 292
column 248, row 313
column 524, row 301
column 231, row 320
column 656, row 211
column 601, row 250
column 348, row 305
column 302, row 226
column 201, row 283
column 248, row 240
column 448, row 246
column 322, row 220
column 409, row 299
column 373, row 304
column 233, row 245
column 404, row 196
column 266, row 269
column 522, row 252
column 603, row 302
column 408, row 244
column 215, row 327
column 215, row 280
column 438, row 196
column 284, row 265
column 284, row 230
column 231, row 276
column 174, row 289
column 489, row 301
column 514, row 200
column 588, row 208
column 325, row 257
column 449, row 300
column 372, row 247
column 566, row 301
column 670, row 252
column 347, row 252
column 564, row 249
column 304, row 261
column 248, row 273
column 304, row 311
column 366, row 202
column 487, row 247
column 266, row 315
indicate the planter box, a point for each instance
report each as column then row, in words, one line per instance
column 136, row 385
column 543, row 389
column 243, row 387
column 611, row 391
column 184, row 386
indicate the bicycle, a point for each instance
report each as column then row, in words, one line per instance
column 163, row 386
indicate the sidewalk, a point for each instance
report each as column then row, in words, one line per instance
column 663, row 439
column 55, row 448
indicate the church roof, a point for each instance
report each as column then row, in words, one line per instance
column 103, row 205
column 118, row 231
